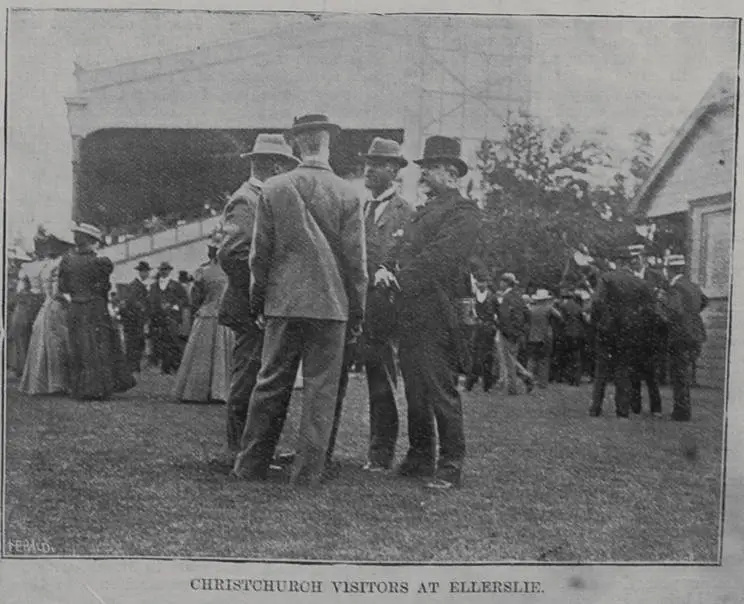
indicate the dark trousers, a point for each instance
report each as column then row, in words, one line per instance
column 319, row 344
column 383, row 412
column 681, row 359
column 538, row 363
column 433, row 404
column 617, row 360
column 483, row 358
column 246, row 364
column 604, row 365
column 134, row 343
column 571, row 365
column 645, row 371
column 167, row 346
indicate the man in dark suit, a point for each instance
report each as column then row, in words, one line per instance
column 652, row 367
column 385, row 217
column 433, row 258
column 135, row 310
column 169, row 310
column 623, row 313
column 573, row 338
column 484, row 334
column 514, row 318
column 270, row 156
column 684, row 301
column 308, row 280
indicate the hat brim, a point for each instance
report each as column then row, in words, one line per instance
column 330, row 126
column 462, row 167
column 97, row 237
column 279, row 155
column 401, row 161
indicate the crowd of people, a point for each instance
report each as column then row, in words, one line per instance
column 303, row 273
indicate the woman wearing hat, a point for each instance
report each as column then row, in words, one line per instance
column 29, row 299
column 204, row 373
column 97, row 365
column 47, row 363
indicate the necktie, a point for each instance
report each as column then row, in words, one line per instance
column 372, row 206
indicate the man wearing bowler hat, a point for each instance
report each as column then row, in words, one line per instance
column 432, row 265
column 271, row 155
column 385, row 216
column 168, row 310
column 135, row 311
column 308, row 280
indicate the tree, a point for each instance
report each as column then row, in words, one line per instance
column 542, row 201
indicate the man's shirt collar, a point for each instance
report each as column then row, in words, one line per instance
column 315, row 161
column 254, row 182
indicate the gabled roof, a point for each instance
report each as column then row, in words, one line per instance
column 721, row 95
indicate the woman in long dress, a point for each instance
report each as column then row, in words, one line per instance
column 204, row 373
column 47, row 362
column 97, row 364
column 29, row 299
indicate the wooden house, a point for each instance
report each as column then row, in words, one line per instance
column 691, row 188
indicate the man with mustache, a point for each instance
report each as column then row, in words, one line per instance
column 385, row 216
column 432, row 261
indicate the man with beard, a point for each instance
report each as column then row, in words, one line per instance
column 432, row 258
column 270, row 156
column 385, row 216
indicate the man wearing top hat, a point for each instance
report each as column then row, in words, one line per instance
column 169, row 309
column 385, row 216
column 684, row 301
column 135, row 309
column 432, row 262
column 308, row 280
column 271, row 155
column 623, row 313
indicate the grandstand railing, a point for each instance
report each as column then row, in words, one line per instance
column 144, row 245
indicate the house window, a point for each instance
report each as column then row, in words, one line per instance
column 715, row 255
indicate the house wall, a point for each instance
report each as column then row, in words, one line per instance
column 704, row 165
column 709, row 267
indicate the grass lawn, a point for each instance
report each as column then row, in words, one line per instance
column 543, row 482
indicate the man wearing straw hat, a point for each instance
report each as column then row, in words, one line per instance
column 271, row 155
column 684, row 303
column 432, row 257
column 308, row 280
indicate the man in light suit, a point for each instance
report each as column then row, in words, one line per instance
column 684, row 302
column 271, row 155
column 385, row 216
column 308, row 280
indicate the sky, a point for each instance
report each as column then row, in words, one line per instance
column 598, row 74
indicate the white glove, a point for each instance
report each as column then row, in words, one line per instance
column 384, row 277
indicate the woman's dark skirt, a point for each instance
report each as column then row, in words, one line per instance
column 97, row 364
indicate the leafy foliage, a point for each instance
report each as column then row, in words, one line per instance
column 543, row 200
